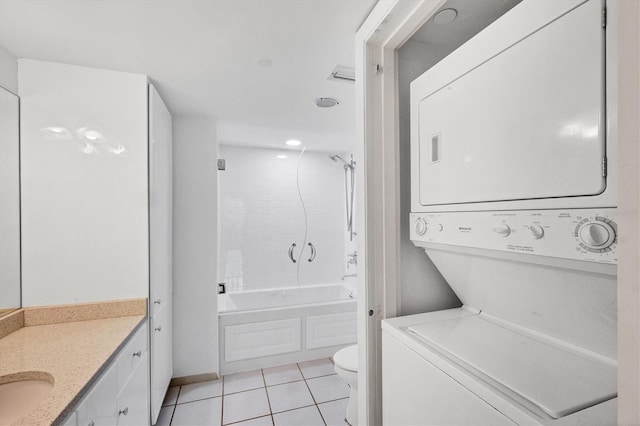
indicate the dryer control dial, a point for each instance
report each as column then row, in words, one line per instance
column 502, row 230
column 420, row 226
column 536, row 231
column 597, row 234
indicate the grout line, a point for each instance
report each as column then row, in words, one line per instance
column 245, row 390
column 293, row 409
column 222, row 403
column 284, row 383
column 312, row 396
column 317, row 377
column 246, row 420
column 200, row 399
column 265, row 391
column 173, row 412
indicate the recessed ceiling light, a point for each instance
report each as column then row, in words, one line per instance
column 293, row 142
column 445, row 16
column 282, row 157
column 263, row 62
column 326, row 102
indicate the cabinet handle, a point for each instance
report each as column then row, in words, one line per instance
column 291, row 252
column 157, row 302
column 158, row 328
column 313, row 252
column 125, row 411
column 139, row 353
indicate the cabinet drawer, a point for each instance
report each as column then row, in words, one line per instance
column 133, row 399
column 99, row 406
column 131, row 356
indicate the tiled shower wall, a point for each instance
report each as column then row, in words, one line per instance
column 261, row 216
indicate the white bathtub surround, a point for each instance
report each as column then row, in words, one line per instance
column 261, row 216
column 296, row 325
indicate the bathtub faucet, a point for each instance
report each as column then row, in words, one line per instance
column 347, row 276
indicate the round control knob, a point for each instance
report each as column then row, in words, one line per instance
column 420, row 226
column 439, row 227
column 597, row 234
column 536, row 231
column 502, row 230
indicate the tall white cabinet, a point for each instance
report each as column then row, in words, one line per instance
column 96, row 192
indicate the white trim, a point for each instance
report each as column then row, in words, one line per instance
column 388, row 26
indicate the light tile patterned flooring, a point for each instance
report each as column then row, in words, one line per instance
column 303, row 394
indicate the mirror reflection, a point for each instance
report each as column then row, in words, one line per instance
column 9, row 202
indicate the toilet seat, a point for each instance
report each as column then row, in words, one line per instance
column 347, row 358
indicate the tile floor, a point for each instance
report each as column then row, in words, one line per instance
column 303, row 394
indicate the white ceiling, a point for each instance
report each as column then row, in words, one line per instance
column 201, row 55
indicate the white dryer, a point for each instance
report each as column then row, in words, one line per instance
column 513, row 202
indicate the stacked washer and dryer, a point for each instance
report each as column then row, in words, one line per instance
column 513, row 195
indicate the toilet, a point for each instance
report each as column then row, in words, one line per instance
column 346, row 364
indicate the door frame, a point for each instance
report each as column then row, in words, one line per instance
column 390, row 24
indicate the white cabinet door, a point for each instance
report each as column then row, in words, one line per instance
column 160, row 240
column 99, row 406
column 160, row 202
column 161, row 358
column 133, row 400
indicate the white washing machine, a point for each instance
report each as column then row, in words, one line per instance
column 513, row 202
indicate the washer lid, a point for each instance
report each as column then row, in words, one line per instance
column 556, row 380
column 347, row 358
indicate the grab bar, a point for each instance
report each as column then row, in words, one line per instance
column 291, row 252
column 313, row 252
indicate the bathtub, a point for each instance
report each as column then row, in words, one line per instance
column 260, row 329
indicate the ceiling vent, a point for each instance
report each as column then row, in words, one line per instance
column 343, row 74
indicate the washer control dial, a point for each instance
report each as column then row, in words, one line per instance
column 420, row 226
column 502, row 230
column 536, row 231
column 597, row 234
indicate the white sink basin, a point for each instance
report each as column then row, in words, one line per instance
column 21, row 397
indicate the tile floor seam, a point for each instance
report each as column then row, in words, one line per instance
column 246, row 420
column 173, row 412
column 268, row 399
column 283, row 383
column 324, row 375
column 200, row 399
column 312, row 396
column 293, row 409
column 245, row 390
column 332, row 400
column 222, row 402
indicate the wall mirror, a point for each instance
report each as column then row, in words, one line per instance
column 9, row 202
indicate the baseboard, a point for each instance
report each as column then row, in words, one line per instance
column 196, row 378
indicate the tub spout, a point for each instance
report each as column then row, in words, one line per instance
column 347, row 276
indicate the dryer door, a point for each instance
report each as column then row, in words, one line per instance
column 528, row 123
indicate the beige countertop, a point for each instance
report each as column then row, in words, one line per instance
column 72, row 354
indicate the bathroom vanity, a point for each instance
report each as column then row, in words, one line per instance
column 93, row 356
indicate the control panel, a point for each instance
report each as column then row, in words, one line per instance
column 579, row 234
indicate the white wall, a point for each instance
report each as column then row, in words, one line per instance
column 8, row 70
column 84, row 184
column 422, row 287
column 261, row 216
column 195, row 311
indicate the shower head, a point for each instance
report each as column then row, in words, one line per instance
column 335, row 158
